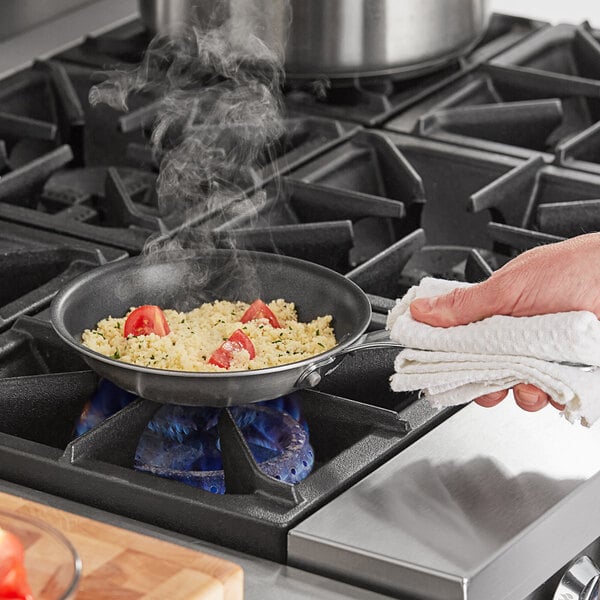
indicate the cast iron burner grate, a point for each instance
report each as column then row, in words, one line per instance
column 502, row 112
column 565, row 53
column 34, row 265
column 44, row 388
column 39, row 112
column 103, row 189
column 553, row 201
column 303, row 138
column 449, row 240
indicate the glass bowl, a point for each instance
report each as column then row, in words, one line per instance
column 52, row 564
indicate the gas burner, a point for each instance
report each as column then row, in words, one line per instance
column 107, row 400
column 183, row 443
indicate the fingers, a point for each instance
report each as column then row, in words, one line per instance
column 492, row 399
column 459, row 307
column 529, row 397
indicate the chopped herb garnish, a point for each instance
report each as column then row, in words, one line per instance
column 322, row 345
column 118, row 325
column 318, row 332
column 152, row 357
column 117, row 354
column 182, row 321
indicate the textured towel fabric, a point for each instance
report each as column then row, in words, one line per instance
column 454, row 365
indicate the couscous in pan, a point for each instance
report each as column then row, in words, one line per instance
column 183, row 281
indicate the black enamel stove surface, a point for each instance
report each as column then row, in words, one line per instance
column 383, row 181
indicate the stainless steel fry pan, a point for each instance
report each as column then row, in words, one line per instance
column 188, row 280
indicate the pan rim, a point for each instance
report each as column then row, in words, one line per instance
column 63, row 294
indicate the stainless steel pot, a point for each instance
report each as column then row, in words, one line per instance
column 342, row 38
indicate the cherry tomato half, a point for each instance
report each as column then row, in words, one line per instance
column 145, row 320
column 13, row 578
column 224, row 354
column 259, row 310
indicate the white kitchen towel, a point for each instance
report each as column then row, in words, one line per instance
column 456, row 364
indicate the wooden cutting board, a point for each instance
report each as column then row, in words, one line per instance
column 120, row 564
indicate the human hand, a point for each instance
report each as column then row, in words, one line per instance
column 555, row 278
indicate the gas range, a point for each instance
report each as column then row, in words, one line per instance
column 383, row 181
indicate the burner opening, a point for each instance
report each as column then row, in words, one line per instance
column 444, row 217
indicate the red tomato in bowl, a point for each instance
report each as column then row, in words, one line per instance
column 259, row 310
column 225, row 353
column 145, row 320
column 13, row 578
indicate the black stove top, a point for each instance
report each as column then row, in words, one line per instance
column 450, row 175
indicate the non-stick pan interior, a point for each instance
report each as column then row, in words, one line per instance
column 186, row 281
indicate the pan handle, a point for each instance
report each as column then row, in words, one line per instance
column 313, row 374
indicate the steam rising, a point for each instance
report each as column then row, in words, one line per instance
column 220, row 110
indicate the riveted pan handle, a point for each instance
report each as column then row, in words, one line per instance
column 313, row 374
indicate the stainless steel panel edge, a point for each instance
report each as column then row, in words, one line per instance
column 487, row 505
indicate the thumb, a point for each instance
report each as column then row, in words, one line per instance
column 459, row 307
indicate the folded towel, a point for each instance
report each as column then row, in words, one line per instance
column 454, row 365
